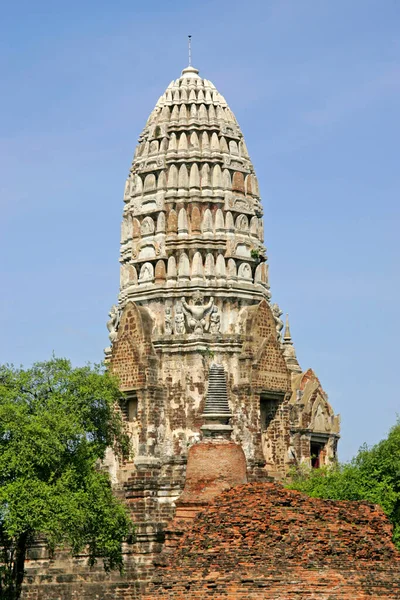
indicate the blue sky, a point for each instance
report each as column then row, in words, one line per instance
column 315, row 86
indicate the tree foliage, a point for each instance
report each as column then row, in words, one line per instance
column 55, row 425
column 373, row 475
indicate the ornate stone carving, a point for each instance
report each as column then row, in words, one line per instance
column 244, row 272
column 168, row 321
column 147, row 227
column 242, row 223
column 196, row 312
column 113, row 323
column 179, row 321
column 146, row 273
column 215, row 321
column 277, row 312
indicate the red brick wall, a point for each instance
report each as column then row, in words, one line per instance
column 262, row 541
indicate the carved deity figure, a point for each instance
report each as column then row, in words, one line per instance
column 215, row 321
column 179, row 320
column 113, row 322
column 168, row 321
column 196, row 312
column 277, row 312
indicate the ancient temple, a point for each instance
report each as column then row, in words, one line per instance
column 217, row 406
column 194, row 290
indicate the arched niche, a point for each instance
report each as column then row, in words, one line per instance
column 149, row 183
column 244, row 272
column 182, row 221
column 183, row 267
column 160, row 274
column 172, row 181
column 171, row 268
column 146, row 273
column 242, row 224
column 160, row 228
column 197, row 271
column 172, row 222
column 238, row 182
column 209, row 266
column 207, row 225
column 219, row 221
column 147, row 226
column 195, row 219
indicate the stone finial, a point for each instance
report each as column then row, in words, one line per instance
column 287, row 335
column 288, row 349
column 190, row 73
column 216, row 411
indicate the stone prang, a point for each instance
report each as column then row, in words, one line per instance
column 213, row 394
column 194, row 290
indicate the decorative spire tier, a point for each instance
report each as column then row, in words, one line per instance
column 193, row 217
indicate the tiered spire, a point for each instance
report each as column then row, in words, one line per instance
column 193, row 215
column 289, row 351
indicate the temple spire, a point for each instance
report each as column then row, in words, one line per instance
column 289, row 351
column 287, row 336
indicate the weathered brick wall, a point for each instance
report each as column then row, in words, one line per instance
column 149, row 494
column 169, row 377
column 269, row 369
column 133, row 356
column 257, row 541
column 262, row 541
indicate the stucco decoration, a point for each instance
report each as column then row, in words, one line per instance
column 196, row 312
column 179, row 320
column 113, row 322
column 277, row 312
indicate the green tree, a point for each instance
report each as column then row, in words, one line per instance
column 373, row 475
column 55, row 425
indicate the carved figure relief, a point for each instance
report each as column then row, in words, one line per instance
column 146, row 273
column 168, row 321
column 277, row 312
column 147, row 227
column 113, row 323
column 215, row 321
column 242, row 223
column 196, row 312
column 179, row 321
column 244, row 271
